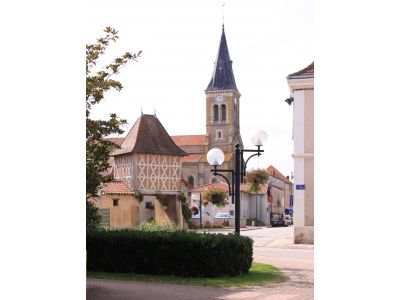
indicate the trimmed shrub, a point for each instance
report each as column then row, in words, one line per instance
column 168, row 253
column 186, row 212
column 153, row 226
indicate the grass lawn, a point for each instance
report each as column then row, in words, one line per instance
column 259, row 274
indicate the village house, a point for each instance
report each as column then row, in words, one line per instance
column 281, row 190
column 301, row 85
column 118, row 205
column 253, row 205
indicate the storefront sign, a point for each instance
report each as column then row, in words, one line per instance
column 300, row 186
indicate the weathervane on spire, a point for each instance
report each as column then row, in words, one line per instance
column 223, row 13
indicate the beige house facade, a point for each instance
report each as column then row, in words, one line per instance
column 118, row 205
column 281, row 190
column 301, row 85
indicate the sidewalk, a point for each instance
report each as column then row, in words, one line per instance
column 225, row 229
column 300, row 286
column 287, row 243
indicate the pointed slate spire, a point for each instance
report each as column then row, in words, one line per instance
column 222, row 78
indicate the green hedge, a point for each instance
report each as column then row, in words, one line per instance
column 168, row 253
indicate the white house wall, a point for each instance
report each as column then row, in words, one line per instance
column 303, row 156
column 298, row 121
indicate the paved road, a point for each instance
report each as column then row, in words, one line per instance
column 272, row 245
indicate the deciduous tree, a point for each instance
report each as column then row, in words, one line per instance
column 99, row 80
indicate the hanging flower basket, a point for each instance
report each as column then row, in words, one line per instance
column 258, row 176
column 215, row 195
column 217, row 198
column 195, row 210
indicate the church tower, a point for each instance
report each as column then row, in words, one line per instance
column 223, row 105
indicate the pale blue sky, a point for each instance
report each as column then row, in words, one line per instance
column 267, row 41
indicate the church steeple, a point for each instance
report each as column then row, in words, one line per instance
column 222, row 78
column 223, row 105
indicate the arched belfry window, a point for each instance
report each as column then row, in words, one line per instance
column 223, row 112
column 190, row 182
column 215, row 112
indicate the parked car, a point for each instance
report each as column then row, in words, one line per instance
column 223, row 215
column 288, row 220
column 277, row 219
column 221, row 218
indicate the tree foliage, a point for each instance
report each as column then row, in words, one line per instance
column 93, row 217
column 186, row 212
column 98, row 82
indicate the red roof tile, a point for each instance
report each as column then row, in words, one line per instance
column 307, row 72
column 189, row 140
column 192, row 157
column 116, row 187
column 271, row 170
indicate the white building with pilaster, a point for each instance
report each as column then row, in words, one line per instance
column 301, row 85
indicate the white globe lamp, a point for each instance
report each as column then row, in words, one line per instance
column 215, row 157
column 259, row 138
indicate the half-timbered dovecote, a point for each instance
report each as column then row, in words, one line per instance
column 149, row 161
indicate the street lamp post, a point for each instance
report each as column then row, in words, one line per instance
column 215, row 157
